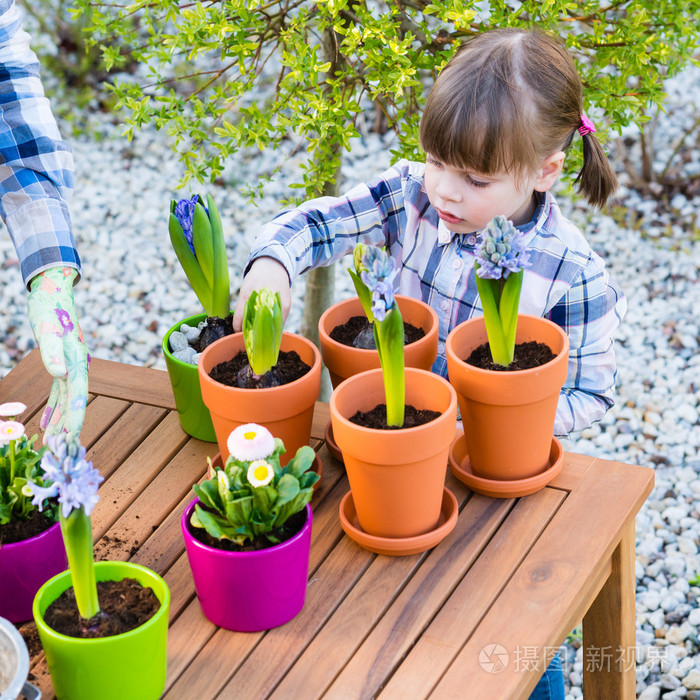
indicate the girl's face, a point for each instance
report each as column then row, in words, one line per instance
column 467, row 201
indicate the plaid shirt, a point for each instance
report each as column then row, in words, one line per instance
column 36, row 166
column 566, row 283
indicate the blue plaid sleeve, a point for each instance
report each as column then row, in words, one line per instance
column 590, row 312
column 36, row 165
column 321, row 231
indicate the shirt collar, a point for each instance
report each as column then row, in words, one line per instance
column 445, row 236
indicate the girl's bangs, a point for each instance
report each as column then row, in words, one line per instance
column 480, row 120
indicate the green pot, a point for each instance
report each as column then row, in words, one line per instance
column 130, row 665
column 195, row 418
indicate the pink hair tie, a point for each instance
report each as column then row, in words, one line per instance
column 586, row 127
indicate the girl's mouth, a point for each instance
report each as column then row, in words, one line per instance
column 448, row 217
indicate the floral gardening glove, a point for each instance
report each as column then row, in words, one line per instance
column 54, row 320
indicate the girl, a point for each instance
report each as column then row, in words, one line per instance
column 495, row 130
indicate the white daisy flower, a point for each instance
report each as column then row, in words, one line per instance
column 250, row 442
column 10, row 430
column 11, row 409
column 260, row 473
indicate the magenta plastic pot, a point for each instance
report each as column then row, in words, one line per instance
column 250, row 591
column 25, row 567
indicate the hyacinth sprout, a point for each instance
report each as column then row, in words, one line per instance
column 198, row 240
column 253, row 495
column 74, row 480
column 262, row 329
column 500, row 260
column 373, row 276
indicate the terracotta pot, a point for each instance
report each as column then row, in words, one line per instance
column 250, row 591
column 194, row 416
column 342, row 361
column 25, row 567
column 397, row 477
column 130, row 665
column 286, row 411
column 508, row 417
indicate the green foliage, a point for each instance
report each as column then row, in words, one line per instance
column 20, row 463
column 237, row 510
column 322, row 63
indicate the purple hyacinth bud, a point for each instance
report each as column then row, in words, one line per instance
column 184, row 213
column 501, row 250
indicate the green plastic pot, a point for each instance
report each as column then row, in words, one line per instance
column 195, row 418
column 130, row 665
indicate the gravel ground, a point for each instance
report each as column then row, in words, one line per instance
column 133, row 290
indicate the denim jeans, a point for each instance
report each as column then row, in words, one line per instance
column 551, row 685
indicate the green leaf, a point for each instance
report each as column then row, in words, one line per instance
column 239, row 512
column 388, row 336
column 287, row 490
column 301, row 462
column 508, row 309
column 262, row 329
column 487, row 289
column 189, row 263
column 208, row 494
column 221, row 286
column 202, row 241
column 363, row 294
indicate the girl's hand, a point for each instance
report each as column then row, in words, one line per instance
column 264, row 272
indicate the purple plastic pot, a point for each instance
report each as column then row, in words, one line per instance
column 250, row 591
column 25, row 567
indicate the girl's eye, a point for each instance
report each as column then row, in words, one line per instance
column 432, row 161
column 476, row 183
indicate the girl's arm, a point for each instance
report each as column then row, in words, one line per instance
column 589, row 313
column 323, row 230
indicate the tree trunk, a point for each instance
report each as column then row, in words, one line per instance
column 320, row 283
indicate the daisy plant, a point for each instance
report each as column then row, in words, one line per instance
column 19, row 465
column 253, row 495
column 374, row 275
column 500, row 260
column 262, row 329
column 74, row 480
column 198, row 240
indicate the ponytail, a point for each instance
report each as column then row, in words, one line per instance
column 597, row 180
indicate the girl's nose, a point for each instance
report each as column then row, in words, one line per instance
column 448, row 187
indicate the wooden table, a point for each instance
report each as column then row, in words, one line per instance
column 516, row 573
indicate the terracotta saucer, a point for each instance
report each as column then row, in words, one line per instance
column 316, row 466
column 399, row 546
column 331, row 444
column 461, row 468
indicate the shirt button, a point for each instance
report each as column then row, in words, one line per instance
column 444, row 305
column 471, row 240
column 441, row 348
column 457, row 263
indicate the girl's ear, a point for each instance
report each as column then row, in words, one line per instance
column 548, row 174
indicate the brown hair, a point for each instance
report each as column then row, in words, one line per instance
column 504, row 102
